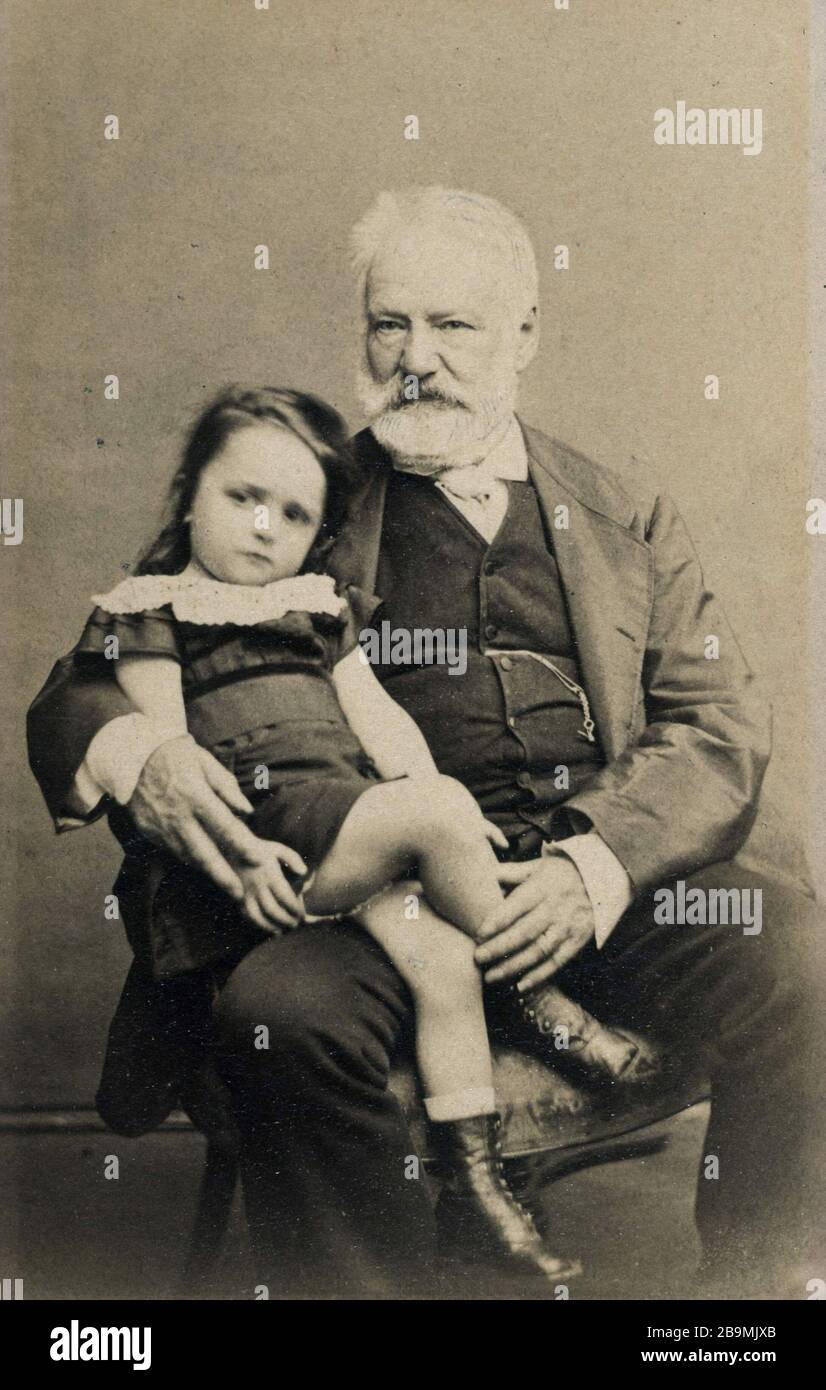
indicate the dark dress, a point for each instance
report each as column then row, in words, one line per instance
column 262, row 700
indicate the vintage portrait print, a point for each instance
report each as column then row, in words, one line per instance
column 410, row 532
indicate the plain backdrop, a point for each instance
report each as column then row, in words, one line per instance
column 240, row 127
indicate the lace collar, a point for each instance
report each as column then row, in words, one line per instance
column 197, row 598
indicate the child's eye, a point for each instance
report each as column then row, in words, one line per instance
column 295, row 513
column 238, row 495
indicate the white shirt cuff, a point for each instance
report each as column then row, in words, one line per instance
column 606, row 882
column 115, row 759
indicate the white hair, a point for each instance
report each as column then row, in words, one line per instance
column 471, row 213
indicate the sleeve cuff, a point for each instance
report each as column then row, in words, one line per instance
column 606, row 881
column 115, row 759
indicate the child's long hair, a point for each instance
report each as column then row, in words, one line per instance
column 237, row 407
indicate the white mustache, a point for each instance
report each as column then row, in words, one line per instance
column 443, row 427
column 435, row 397
column 395, row 398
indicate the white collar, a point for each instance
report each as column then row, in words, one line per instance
column 508, row 460
column 197, row 598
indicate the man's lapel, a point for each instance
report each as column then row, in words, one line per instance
column 605, row 573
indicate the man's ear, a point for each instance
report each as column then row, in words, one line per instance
column 527, row 340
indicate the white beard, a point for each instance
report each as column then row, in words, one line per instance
column 431, row 435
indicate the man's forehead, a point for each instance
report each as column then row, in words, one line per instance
column 434, row 272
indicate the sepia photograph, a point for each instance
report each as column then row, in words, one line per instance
column 414, row 763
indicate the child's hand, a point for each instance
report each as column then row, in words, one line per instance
column 495, row 835
column 269, row 899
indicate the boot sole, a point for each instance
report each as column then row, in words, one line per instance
column 502, row 1265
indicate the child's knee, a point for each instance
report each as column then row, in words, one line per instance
column 454, row 801
column 441, row 807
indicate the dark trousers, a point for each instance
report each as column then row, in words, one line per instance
column 329, row 1205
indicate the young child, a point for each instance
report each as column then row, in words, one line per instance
column 230, row 633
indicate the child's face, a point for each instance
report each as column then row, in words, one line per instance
column 258, row 506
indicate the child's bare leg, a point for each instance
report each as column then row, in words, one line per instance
column 477, row 1214
column 434, row 827
column 429, row 825
column 436, row 962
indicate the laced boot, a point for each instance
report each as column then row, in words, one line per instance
column 591, row 1050
column 477, row 1215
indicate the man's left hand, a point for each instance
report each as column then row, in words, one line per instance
column 542, row 924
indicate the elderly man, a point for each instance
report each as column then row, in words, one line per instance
column 590, row 726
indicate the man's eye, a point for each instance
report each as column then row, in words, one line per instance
column 386, row 326
column 454, row 323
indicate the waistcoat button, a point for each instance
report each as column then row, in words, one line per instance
column 523, row 779
column 491, row 631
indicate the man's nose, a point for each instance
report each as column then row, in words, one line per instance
column 419, row 355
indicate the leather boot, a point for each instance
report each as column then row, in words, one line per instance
column 594, row 1052
column 477, row 1215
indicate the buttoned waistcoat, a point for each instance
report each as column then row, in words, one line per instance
column 686, row 738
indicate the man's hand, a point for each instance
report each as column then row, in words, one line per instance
column 544, row 921
column 268, row 898
column 187, row 802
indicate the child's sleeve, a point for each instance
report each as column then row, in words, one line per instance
column 141, row 652
column 108, row 636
